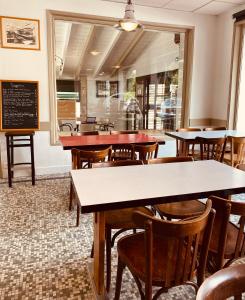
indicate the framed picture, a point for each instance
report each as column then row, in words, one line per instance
column 114, row 89
column 18, row 33
column 102, row 88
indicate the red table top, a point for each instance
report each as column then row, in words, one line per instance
column 77, row 141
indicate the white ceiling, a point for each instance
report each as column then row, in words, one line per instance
column 212, row 7
column 74, row 44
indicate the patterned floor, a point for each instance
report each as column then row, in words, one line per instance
column 43, row 254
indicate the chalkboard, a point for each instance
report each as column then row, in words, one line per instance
column 19, row 105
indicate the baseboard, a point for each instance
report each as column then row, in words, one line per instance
column 207, row 122
column 23, row 171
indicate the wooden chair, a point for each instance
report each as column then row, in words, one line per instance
column 237, row 154
column 122, row 152
column 85, row 158
column 214, row 128
column 124, row 132
column 212, row 148
column 180, row 146
column 145, row 152
column 165, row 254
column 118, row 219
column 177, row 210
column 228, row 240
column 93, row 132
column 241, row 167
column 224, row 284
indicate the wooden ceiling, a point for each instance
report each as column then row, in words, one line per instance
column 76, row 42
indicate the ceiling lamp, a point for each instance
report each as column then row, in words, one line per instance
column 128, row 23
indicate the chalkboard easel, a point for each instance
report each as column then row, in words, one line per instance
column 19, row 105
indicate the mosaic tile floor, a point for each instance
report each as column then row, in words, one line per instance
column 43, row 254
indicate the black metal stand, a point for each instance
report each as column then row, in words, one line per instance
column 12, row 143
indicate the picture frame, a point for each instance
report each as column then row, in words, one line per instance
column 102, row 89
column 114, row 88
column 20, row 33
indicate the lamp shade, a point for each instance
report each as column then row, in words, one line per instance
column 128, row 23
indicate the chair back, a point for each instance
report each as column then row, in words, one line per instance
column 214, row 128
column 212, row 148
column 219, row 234
column 118, row 163
column 238, row 209
column 89, row 157
column 180, row 145
column 181, row 243
column 224, row 284
column 163, row 160
column 114, row 132
column 237, row 151
column 241, row 167
column 145, row 152
column 93, row 132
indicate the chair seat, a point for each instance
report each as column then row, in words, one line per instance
column 131, row 250
column 180, row 210
column 123, row 218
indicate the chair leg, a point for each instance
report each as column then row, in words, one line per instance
column 108, row 258
column 92, row 251
column 120, row 268
column 71, row 196
column 78, row 214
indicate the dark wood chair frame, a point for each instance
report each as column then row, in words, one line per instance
column 176, row 211
column 145, row 152
column 79, row 157
column 218, row 256
column 190, row 146
column 214, row 128
column 110, row 240
column 224, row 284
column 212, row 148
column 122, row 152
column 181, row 238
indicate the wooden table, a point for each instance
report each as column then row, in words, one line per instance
column 188, row 137
column 133, row 186
column 93, row 141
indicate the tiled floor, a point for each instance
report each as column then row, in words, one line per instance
column 42, row 254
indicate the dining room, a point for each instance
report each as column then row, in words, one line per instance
column 122, row 149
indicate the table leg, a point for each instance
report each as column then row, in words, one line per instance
column 99, row 252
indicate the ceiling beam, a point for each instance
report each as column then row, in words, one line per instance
column 64, row 50
column 128, row 51
column 84, row 51
column 108, row 51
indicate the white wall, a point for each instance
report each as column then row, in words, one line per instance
column 222, row 66
column 33, row 65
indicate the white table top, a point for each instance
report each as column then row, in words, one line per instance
column 119, row 187
column 191, row 135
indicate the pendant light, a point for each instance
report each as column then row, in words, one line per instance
column 128, row 23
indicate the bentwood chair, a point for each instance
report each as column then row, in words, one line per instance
column 145, row 152
column 228, row 240
column 212, row 148
column 182, row 146
column 165, row 253
column 118, row 219
column 224, row 284
column 236, row 156
column 122, row 152
column 79, row 157
column 177, row 210
column 92, row 132
column 214, row 128
column 241, row 167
